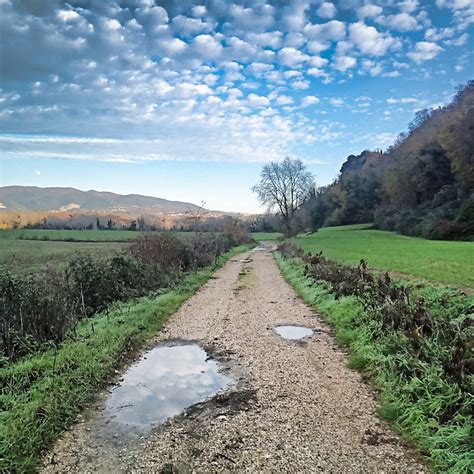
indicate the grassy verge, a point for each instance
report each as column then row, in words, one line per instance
column 42, row 395
column 439, row 261
column 419, row 397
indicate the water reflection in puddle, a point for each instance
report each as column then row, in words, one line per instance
column 293, row 333
column 162, row 384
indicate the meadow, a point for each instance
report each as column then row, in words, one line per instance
column 437, row 261
column 26, row 256
column 70, row 235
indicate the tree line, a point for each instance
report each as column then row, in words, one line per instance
column 421, row 186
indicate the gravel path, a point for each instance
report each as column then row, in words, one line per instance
column 296, row 407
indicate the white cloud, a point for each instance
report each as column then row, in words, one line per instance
column 369, row 11
column 270, row 39
column 67, row 15
column 424, row 51
column 408, row 6
column 199, row 10
column 284, row 100
column 309, row 100
column 294, row 15
column 336, row 102
column 291, row 57
column 369, row 40
column 189, row 27
column 403, row 100
column 207, row 47
column 400, row 22
column 343, row 63
column 37, row 172
column 333, row 30
column 327, row 10
column 257, row 100
column 300, row 84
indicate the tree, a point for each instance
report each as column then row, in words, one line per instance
column 284, row 186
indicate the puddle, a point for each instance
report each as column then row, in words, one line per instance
column 165, row 381
column 293, row 333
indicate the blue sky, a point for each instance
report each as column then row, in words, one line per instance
column 187, row 100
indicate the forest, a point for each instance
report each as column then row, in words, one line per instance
column 421, row 186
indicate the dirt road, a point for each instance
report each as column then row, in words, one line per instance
column 296, row 406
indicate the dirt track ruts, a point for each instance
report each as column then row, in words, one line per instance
column 297, row 406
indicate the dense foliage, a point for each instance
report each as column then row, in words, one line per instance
column 40, row 309
column 423, row 185
column 415, row 343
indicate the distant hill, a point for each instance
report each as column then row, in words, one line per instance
column 29, row 198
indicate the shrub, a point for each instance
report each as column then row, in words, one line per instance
column 40, row 309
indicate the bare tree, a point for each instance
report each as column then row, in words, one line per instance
column 284, row 186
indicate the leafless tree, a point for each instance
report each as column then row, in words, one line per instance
column 284, row 186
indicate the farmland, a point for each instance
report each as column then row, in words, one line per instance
column 444, row 262
column 26, row 256
column 70, row 235
column 30, row 250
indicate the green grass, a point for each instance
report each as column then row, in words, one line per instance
column 76, row 235
column 30, row 255
column 42, row 395
column 415, row 403
column 434, row 260
column 259, row 236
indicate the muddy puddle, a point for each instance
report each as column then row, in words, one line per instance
column 293, row 333
column 162, row 384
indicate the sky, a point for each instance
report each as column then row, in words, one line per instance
column 187, row 100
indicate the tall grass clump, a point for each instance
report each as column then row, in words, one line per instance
column 415, row 343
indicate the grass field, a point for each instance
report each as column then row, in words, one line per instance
column 76, row 235
column 259, row 236
column 32, row 255
column 29, row 250
column 437, row 261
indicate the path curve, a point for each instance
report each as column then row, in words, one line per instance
column 304, row 410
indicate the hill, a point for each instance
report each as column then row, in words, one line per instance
column 423, row 185
column 29, row 198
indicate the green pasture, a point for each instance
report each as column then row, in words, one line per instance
column 76, row 235
column 33, row 255
column 434, row 260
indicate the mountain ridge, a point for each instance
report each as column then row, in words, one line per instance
column 29, row 198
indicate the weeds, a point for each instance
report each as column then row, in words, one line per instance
column 415, row 343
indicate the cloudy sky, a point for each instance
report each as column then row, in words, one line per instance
column 186, row 100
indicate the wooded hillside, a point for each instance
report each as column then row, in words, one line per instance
column 422, row 185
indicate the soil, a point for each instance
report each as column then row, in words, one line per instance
column 295, row 406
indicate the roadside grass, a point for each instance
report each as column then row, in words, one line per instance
column 259, row 236
column 439, row 261
column 415, row 395
column 27, row 256
column 42, row 395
